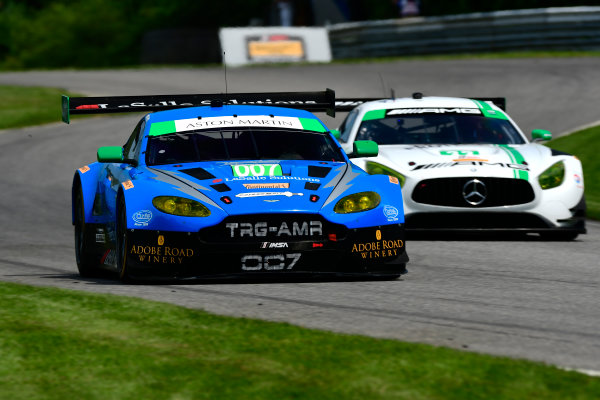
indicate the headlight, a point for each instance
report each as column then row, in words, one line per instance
column 553, row 176
column 374, row 168
column 357, row 202
column 180, row 206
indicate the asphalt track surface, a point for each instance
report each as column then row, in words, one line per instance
column 508, row 296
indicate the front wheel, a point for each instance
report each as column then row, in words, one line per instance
column 87, row 262
column 122, row 269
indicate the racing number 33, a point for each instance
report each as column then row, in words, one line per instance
column 271, row 262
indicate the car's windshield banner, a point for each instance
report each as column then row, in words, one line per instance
column 259, row 121
column 449, row 110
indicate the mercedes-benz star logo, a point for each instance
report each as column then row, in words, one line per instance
column 474, row 192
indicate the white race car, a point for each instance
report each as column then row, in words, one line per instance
column 464, row 165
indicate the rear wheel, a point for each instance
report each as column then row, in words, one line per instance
column 121, row 229
column 87, row 263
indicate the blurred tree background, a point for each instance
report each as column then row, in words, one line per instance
column 108, row 33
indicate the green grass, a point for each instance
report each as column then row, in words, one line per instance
column 59, row 344
column 585, row 145
column 25, row 106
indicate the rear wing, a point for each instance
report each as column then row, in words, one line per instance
column 348, row 104
column 311, row 101
column 499, row 102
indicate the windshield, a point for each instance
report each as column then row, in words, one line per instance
column 439, row 129
column 241, row 144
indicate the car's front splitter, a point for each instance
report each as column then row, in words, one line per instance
column 375, row 251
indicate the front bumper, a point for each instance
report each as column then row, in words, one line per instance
column 374, row 251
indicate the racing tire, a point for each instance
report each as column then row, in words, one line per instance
column 87, row 262
column 121, row 243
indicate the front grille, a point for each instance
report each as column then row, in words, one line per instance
column 458, row 192
column 272, row 227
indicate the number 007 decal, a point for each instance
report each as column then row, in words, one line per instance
column 271, row 262
column 256, row 170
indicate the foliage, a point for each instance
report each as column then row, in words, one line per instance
column 27, row 106
column 103, row 33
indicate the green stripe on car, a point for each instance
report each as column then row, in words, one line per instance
column 515, row 158
column 374, row 114
column 162, row 128
column 488, row 111
column 310, row 124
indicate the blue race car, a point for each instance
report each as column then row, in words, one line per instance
column 208, row 186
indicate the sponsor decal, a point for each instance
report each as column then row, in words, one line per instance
column 517, row 167
column 266, row 185
column 262, row 194
column 160, row 254
column 262, row 229
column 100, row 235
column 378, row 248
column 192, row 124
column 279, row 47
column 161, row 240
column 403, row 111
column 273, row 245
column 85, row 169
column 109, row 258
column 394, row 180
column 127, row 185
column 391, row 213
column 271, row 262
column 459, row 152
column 465, row 159
column 243, row 170
column 142, row 217
column 90, row 106
column 378, row 234
column 578, row 180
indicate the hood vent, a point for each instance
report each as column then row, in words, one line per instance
column 318, row 172
column 198, row 173
column 221, row 187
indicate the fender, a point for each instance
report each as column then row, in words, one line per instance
column 87, row 177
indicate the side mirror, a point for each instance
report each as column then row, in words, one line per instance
column 113, row 154
column 336, row 134
column 110, row 154
column 364, row 148
column 541, row 134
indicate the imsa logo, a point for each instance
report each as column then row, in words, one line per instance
column 273, row 245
